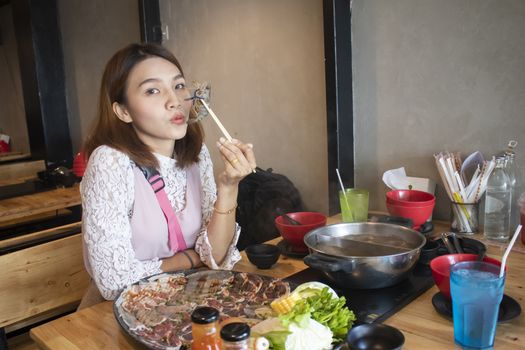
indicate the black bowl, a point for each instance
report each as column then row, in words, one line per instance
column 263, row 255
column 429, row 251
column 469, row 246
column 375, row 336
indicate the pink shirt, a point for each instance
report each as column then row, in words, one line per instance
column 148, row 224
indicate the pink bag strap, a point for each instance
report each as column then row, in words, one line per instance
column 175, row 236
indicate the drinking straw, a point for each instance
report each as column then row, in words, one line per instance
column 446, row 170
column 486, row 171
column 447, row 181
column 461, row 197
column 471, row 188
column 461, row 186
column 464, row 220
column 507, row 251
column 344, row 194
column 441, row 170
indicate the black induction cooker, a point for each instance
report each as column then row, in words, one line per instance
column 375, row 305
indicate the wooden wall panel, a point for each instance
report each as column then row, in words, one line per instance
column 41, row 278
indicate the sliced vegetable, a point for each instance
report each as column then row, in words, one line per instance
column 308, row 289
column 325, row 309
column 285, row 303
column 312, row 335
column 259, row 343
column 273, row 330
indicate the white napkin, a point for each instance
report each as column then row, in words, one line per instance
column 4, row 137
column 396, row 179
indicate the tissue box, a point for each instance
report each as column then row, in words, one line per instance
column 422, row 184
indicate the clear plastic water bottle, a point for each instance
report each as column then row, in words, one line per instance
column 521, row 205
column 497, row 203
column 512, row 169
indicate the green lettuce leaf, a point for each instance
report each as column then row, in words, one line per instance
column 277, row 339
column 326, row 309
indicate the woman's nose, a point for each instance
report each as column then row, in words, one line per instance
column 174, row 100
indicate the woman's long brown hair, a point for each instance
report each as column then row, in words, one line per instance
column 109, row 130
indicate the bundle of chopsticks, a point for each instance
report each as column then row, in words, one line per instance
column 460, row 189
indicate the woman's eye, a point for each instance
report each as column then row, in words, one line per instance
column 152, row 91
column 180, row 86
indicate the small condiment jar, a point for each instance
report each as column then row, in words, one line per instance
column 235, row 336
column 204, row 329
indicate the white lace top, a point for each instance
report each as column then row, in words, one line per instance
column 107, row 190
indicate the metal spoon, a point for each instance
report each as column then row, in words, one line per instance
column 456, row 242
column 448, row 245
column 287, row 218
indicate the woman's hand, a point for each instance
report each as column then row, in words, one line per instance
column 239, row 161
column 181, row 261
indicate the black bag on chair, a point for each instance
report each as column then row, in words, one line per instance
column 261, row 196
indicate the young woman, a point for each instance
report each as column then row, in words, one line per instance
column 143, row 124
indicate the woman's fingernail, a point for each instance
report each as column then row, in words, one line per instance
column 219, row 144
column 222, row 140
column 249, row 145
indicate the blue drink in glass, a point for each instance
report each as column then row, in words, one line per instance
column 476, row 290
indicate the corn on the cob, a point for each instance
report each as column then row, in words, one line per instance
column 285, row 303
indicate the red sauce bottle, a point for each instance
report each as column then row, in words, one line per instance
column 204, row 329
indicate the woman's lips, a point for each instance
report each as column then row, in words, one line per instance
column 178, row 119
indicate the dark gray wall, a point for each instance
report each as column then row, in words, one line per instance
column 265, row 63
column 431, row 76
column 92, row 31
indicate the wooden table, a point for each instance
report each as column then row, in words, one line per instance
column 423, row 327
column 21, row 207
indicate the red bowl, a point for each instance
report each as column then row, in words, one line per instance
column 440, row 267
column 410, row 198
column 418, row 214
column 294, row 234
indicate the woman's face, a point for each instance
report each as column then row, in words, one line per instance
column 156, row 104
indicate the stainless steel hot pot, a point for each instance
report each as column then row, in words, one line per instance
column 364, row 255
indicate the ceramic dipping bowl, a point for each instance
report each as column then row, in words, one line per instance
column 263, row 255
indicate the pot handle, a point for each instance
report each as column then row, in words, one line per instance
column 326, row 263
